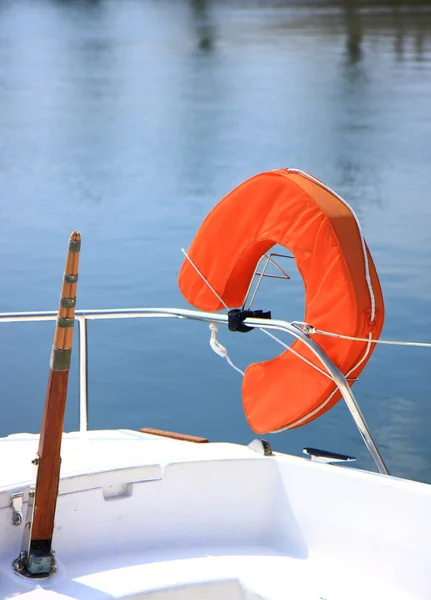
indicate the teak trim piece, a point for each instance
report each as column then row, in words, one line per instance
column 175, row 436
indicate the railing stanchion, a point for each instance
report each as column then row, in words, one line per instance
column 83, row 375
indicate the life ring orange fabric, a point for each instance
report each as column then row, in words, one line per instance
column 342, row 289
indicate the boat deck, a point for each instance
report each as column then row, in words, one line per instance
column 179, row 521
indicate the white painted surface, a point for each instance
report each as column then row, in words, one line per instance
column 144, row 517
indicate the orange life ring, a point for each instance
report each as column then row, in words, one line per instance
column 342, row 289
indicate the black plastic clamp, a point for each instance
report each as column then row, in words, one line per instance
column 237, row 316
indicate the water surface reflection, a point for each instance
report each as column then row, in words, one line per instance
column 129, row 120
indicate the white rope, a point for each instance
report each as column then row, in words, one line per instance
column 311, row 330
column 214, row 343
column 220, row 349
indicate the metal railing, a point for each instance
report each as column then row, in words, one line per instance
column 83, row 316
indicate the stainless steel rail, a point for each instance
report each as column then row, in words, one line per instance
column 137, row 313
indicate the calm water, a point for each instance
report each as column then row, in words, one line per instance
column 129, row 120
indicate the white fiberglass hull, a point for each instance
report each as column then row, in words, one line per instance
column 146, row 517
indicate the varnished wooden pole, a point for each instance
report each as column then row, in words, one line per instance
column 48, row 459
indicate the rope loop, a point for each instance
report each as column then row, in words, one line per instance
column 219, row 348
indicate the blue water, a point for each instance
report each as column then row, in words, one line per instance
column 129, row 120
